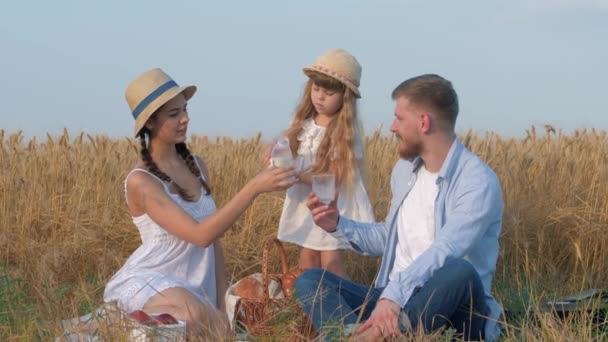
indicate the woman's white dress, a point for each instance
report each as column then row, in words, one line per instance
column 164, row 261
column 296, row 225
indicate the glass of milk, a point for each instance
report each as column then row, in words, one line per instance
column 324, row 187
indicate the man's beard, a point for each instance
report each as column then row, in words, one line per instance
column 410, row 150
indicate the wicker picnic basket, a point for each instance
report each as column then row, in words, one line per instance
column 257, row 315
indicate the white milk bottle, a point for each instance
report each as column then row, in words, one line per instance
column 281, row 156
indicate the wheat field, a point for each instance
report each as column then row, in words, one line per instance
column 64, row 227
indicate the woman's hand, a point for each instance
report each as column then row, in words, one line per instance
column 273, row 179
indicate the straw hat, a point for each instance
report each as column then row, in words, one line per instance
column 149, row 91
column 340, row 65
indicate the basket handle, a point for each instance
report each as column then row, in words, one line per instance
column 284, row 267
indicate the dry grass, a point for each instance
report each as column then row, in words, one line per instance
column 65, row 228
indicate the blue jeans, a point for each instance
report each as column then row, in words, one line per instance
column 453, row 296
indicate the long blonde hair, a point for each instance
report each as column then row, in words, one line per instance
column 336, row 152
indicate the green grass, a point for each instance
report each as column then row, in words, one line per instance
column 16, row 307
column 19, row 313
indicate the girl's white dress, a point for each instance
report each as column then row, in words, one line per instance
column 296, row 225
column 164, row 261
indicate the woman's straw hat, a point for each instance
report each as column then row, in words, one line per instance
column 340, row 65
column 149, row 91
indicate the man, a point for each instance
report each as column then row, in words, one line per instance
column 439, row 243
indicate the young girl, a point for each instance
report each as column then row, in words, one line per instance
column 324, row 135
column 179, row 268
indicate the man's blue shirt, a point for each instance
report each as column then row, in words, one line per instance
column 468, row 219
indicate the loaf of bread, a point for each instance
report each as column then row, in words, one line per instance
column 249, row 287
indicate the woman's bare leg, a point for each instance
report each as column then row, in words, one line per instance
column 202, row 320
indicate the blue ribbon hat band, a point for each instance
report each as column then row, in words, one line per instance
column 153, row 96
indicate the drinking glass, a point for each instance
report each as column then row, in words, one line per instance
column 324, row 186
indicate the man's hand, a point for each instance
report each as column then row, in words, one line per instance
column 383, row 322
column 325, row 216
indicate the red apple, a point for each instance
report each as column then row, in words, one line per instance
column 143, row 318
column 166, row 318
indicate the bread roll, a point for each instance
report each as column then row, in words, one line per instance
column 249, row 287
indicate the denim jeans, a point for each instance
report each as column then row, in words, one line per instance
column 453, row 296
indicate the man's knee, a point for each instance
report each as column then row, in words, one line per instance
column 308, row 284
column 465, row 277
column 309, row 277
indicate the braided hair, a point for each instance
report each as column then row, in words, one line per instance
column 183, row 152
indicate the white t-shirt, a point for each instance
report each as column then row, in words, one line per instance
column 415, row 225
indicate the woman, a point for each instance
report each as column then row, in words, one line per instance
column 179, row 268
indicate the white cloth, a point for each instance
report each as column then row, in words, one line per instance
column 86, row 328
column 296, row 225
column 164, row 261
column 415, row 225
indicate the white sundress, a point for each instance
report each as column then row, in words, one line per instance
column 296, row 225
column 164, row 261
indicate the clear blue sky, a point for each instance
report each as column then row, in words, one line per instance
column 514, row 63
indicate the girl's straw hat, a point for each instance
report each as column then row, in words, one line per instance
column 149, row 91
column 340, row 65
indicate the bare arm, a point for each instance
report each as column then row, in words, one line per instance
column 149, row 194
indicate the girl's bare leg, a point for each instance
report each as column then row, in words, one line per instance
column 333, row 262
column 309, row 258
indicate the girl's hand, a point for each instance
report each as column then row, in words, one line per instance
column 273, row 179
column 305, row 177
